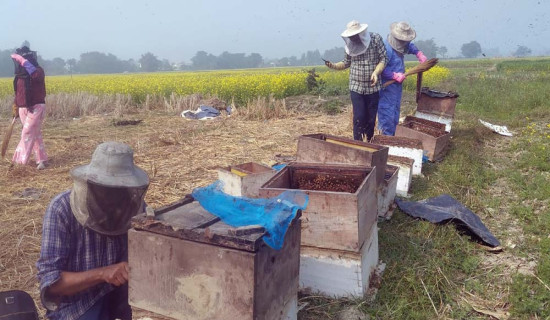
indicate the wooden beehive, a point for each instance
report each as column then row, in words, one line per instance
column 434, row 141
column 404, row 176
column 386, row 194
column 403, row 147
column 333, row 219
column 322, row 148
column 187, row 264
column 437, row 106
column 244, row 180
column 437, row 102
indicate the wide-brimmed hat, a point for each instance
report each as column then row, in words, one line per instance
column 402, row 31
column 112, row 165
column 354, row 27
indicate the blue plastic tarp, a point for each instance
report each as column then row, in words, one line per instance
column 274, row 214
column 446, row 208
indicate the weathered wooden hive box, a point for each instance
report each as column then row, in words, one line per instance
column 187, row 264
column 435, row 139
column 403, row 147
column 437, row 106
column 342, row 202
column 244, row 180
column 322, row 148
column 339, row 226
column 404, row 176
column 386, row 194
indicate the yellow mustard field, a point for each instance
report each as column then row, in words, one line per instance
column 238, row 85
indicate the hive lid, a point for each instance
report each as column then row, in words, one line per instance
column 187, row 219
column 438, row 94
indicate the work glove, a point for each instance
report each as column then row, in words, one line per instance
column 398, row 76
column 373, row 79
column 14, row 111
column 336, row 66
column 377, row 71
column 18, row 58
column 24, row 63
column 421, row 57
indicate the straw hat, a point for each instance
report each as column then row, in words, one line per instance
column 402, row 31
column 112, row 165
column 354, row 27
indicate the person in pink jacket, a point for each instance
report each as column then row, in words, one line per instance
column 30, row 95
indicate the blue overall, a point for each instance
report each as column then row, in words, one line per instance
column 389, row 105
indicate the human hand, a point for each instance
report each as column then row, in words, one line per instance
column 398, row 76
column 328, row 63
column 14, row 111
column 373, row 79
column 116, row 274
column 18, row 58
column 421, row 57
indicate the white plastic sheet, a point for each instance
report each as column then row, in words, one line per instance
column 502, row 130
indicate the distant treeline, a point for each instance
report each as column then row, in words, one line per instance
column 99, row 62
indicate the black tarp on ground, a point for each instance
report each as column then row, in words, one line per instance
column 444, row 208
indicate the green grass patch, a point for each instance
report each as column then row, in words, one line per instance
column 523, row 65
column 504, row 180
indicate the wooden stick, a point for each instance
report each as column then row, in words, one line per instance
column 425, row 66
column 7, row 137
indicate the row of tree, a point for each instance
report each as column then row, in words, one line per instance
column 90, row 62
column 98, row 62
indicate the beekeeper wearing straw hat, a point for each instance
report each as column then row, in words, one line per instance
column 83, row 268
column 366, row 58
column 398, row 43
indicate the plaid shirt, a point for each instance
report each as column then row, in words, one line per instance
column 68, row 246
column 362, row 66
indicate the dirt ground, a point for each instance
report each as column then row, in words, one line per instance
column 179, row 155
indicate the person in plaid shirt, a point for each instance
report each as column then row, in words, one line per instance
column 83, row 268
column 366, row 58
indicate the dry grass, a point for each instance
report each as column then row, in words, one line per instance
column 263, row 108
column 178, row 155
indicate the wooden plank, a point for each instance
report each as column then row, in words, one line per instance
column 189, row 216
column 192, row 222
column 185, row 200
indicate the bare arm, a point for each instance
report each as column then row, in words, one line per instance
column 72, row 283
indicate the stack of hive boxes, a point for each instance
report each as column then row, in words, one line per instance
column 431, row 123
column 343, row 178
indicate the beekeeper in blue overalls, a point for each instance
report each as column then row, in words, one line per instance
column 397, row 45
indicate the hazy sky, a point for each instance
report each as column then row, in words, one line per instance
column 176, row 30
